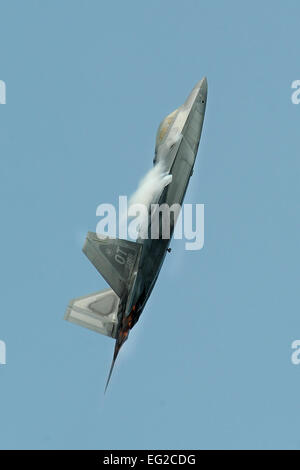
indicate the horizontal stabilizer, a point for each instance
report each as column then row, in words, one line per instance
column 97, row 311
column 113, row 258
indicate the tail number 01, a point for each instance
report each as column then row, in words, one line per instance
column 121, row 256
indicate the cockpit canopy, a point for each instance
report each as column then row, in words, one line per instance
column 163, row 128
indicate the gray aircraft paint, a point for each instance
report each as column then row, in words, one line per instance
column 131, row 268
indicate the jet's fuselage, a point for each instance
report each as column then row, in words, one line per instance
column 176, row 152
column 131, row 268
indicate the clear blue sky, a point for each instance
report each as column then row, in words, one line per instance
column 208, row 365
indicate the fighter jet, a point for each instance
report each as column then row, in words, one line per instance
column 131, row 268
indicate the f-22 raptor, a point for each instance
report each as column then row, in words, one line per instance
column 131, row 268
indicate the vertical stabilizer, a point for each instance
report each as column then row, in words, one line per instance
column 114, row 259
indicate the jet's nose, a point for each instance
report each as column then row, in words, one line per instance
column 199, row 90
column 203, row 86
